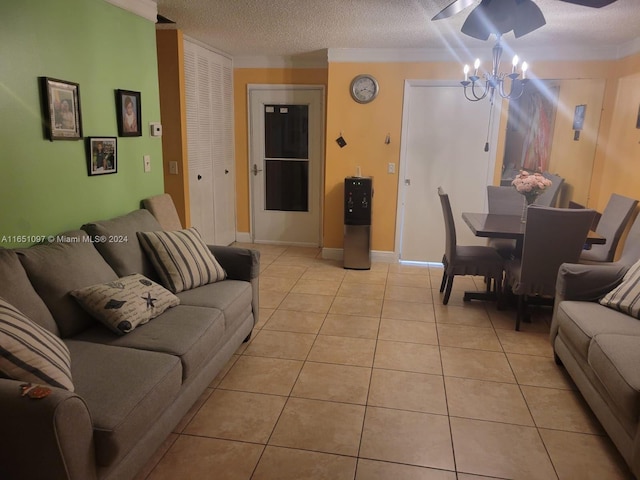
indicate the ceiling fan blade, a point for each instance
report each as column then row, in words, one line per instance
column 591, row 3
column 453, row 8
column 498, row 17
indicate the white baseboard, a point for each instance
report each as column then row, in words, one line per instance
column 243, row 237
column 376, row 255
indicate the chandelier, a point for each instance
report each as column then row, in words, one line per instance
column 476, row 89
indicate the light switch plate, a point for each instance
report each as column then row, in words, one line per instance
column 173, row 168
column 391, row 168
column 147, row 163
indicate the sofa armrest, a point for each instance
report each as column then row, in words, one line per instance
column 50, row 437
column 587, row 282
column 241, row 264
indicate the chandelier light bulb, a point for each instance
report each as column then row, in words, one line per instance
column 466, row 72
column 515, row 62
column 476, row 65
column 525, row 67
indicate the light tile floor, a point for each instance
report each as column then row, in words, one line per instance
column 365, row 375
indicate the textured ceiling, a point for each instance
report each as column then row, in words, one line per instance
column 299, row 27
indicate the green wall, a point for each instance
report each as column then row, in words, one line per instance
column 44, row 185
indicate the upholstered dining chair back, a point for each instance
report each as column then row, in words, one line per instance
column 465, row 260
column 612, row 223
column 550, row 197
column 631, row 249
column 163, row 208
column 552, row 236
column 504, row 200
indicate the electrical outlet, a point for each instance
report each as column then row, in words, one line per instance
column 391, row 168
column 147, row 163
column 173, row 168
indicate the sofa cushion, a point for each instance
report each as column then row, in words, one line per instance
column 579, row 322
column 126, row 391
column 57, row 268
column 18, row 291
column 191, row 333
column 121, row 249
column 181, row 259
column 233, row 297
column 125, row 303
column 626, row 296
column 30, row 353
column 615, row 360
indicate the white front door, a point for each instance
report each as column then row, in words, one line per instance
column 286, row 157
column 443, row 142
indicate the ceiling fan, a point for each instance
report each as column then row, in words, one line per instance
column 501, row 16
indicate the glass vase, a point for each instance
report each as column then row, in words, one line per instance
column 529, row 199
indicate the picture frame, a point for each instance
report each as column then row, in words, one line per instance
column 129, row 110
column 102, row 155
column 61, row 109
column 638, row 119
column 578, row 117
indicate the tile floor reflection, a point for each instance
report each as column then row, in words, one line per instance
column 365, row 375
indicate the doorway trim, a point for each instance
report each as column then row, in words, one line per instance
column 253, row 87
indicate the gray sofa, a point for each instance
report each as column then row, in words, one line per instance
column 130, row 390
column 600, row 349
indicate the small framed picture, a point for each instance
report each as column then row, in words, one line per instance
column 61, row 109
column 129, row 109
column 578, row 117
column 102, row 155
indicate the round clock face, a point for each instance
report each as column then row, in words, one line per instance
column 364, row 88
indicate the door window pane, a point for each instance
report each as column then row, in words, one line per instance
column 286, row 131
column 287, row 185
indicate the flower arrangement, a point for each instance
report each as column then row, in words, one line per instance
column 530, row 184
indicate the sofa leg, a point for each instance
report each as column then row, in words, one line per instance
column 248, row 337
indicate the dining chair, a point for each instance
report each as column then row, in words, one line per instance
column 550, row 197
column 612, row 223
column 504, row 201
column 466, row 260
column 552, row 236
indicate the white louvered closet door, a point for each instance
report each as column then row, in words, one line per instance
column 210, row 143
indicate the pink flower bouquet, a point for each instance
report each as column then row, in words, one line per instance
column 530, row 184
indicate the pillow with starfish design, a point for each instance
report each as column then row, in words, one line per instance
column 126, row 303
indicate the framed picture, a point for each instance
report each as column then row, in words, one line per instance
column 102, row 155
column 129, row 113
column 638, row 120
column 578, row 117
column 61, row 109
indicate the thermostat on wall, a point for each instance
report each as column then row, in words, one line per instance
column 156, row 129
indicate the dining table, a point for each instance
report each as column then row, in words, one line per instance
column 494, row 225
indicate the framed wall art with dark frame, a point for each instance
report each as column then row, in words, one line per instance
column 129, row 108
column 102, row 155
column 61, row 109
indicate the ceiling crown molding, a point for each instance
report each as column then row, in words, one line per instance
column 147, row 9
column 310, row 60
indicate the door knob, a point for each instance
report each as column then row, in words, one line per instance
column 256, row 169
column 226, row 171
column 199, row 177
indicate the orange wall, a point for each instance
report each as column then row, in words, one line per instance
column 365, row 127
column 241, row 78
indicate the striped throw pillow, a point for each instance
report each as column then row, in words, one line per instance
column 181, row 259
column 626, row 296
column 30, row 353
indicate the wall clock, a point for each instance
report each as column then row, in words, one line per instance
column 364, row 88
